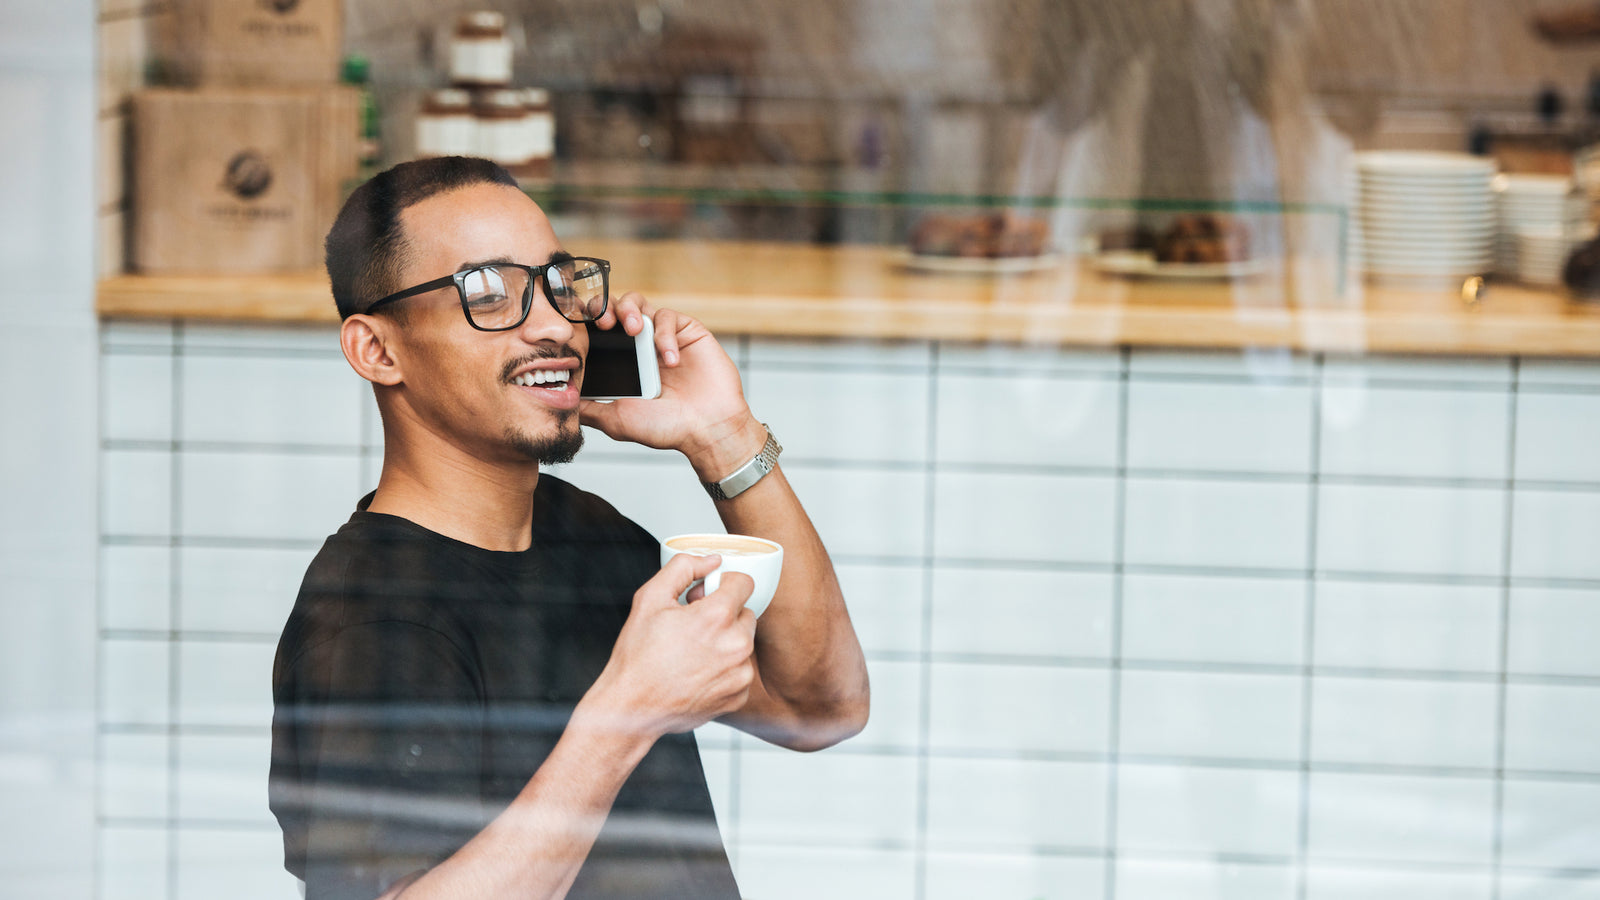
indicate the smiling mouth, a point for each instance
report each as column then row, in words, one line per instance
column 550, row 379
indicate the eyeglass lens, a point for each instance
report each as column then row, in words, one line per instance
column 496, row 295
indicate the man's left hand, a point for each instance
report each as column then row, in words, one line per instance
column 701, row 411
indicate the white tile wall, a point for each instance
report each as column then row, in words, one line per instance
column 223, row 778
column 243, row 864
column 987, row 769
column 1551, row 824
column 1005, row 357
column 1553, row 537
column 1021, row 613
column 1245, row 427
column 1423, row 819
column 134, row 770
column 1467, row 372
column 1016, row 876
column 1410, row 723
column 1441, row 627
column 1413, row 530
column 1221, row 524
column 136, row 587
column 136, row 499
column 1540, row 373
column 1249, row 364
column 1420, row 432
column 1553, row 727
column 666, row 500
column 1207, row 714
column 134, row 679
column 896, row 706
column 1001, row 419
column 1008, row 516
column 1015, row 804
column 861, row 512
column 1198, row 619
column 885, row 603
column 240, row 589
column 272, row 496
column 1156, row 879
column 768, row 352
column 869, row 798
column 133, row 863
column 827, row 414
column 1554, row 631
column 803, row 873
column 225, row 682
column 1017, row 709
column 238, row 398
column 136, row 394
column 1549, row 887
column 1199, row 810
column 1345, row 883
column 1553, row 431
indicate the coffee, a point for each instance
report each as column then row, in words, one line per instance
column 729, row 545
column 758, row 558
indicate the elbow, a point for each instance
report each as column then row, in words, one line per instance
column 846, row 720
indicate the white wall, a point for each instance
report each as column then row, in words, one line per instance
column 48, row 473
column 1140, row 626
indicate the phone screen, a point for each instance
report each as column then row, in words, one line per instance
column 612, row 367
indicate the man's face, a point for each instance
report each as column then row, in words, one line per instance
column 459, row 382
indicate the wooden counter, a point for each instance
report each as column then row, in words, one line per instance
column 867, row 292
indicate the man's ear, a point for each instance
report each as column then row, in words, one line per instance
column 365, row 342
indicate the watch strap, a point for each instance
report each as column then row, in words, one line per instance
column 749, row 473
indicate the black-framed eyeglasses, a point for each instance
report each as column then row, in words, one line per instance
column 497, row 297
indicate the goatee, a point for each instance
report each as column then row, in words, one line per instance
column 550, row 450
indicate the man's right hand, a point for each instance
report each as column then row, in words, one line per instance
column 676, row 667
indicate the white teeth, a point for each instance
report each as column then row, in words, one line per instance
column 542, row 376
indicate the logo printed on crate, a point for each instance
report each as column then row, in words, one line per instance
column 274, row 27
column 248, row 175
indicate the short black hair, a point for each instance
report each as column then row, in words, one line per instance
column 365, row 246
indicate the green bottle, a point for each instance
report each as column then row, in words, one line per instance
column 358, row 72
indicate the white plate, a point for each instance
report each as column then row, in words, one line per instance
column 1142, row 264
column 1422, row 161
column 977, row 265
column 1429, row 232
column 1529, row 184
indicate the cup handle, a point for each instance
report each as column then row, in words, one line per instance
column 714, row 580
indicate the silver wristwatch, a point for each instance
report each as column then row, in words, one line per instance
column 747, row 474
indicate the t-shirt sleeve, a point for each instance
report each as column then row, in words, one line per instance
column 377, row 757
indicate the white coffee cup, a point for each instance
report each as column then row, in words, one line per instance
column 759, row 558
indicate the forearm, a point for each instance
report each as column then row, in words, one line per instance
column 808, row 658
column 535, row 847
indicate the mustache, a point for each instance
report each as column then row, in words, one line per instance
column 551, row 351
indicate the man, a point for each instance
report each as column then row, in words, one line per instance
column 486, row 686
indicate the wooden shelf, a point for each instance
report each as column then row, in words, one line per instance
column 865, row 292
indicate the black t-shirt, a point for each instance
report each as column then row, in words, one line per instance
column 421, row 681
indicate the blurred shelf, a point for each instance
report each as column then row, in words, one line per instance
column 867, row 292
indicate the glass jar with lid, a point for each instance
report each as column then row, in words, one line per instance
column 480, row 51
column 446, row 125
column 540, row 123
column 502, row 128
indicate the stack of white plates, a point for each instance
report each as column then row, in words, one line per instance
column 1424, row 215
column 1540, row 255
column 1536, row 205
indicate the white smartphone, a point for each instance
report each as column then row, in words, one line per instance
column 619, row 367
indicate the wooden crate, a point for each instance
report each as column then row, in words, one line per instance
column 210, row 43
column 239, row 180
